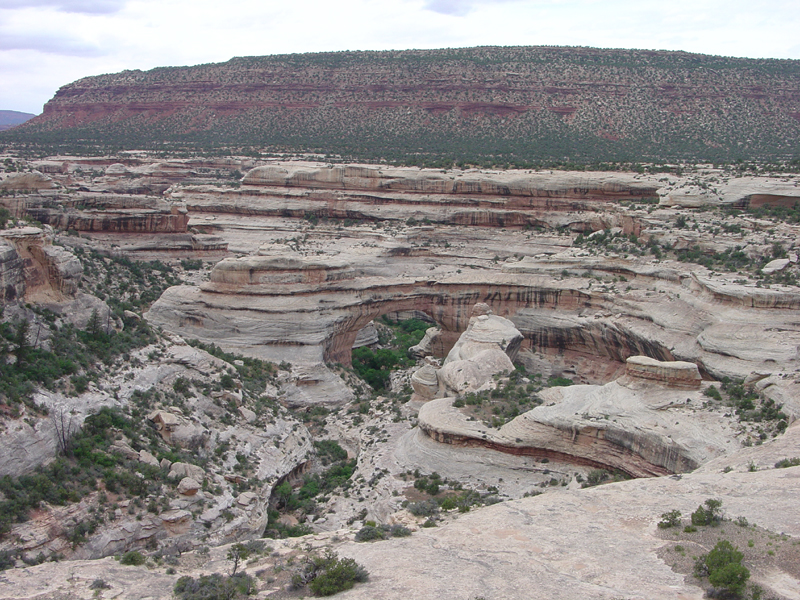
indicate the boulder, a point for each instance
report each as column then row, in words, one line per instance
column 425, row 382
column 429, row 344
column 178, row 430
column 180, row 469
column 246, row 499
column 486, row 332
column 247, row 414
column 773, row 266
column 122, row 447
column 188, row 487
column 148, row 459
column 469, row 375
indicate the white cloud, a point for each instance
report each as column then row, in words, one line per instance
column 47, row 43
column 70, row 6
column 449, row 7
column 61, row 44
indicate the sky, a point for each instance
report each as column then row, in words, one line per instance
column 45, row 44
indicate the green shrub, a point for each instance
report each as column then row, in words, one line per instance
column 787, row 462
column 399, row 531
column 329, row 574
column 426, row 508
column 214, row 587
column 710, row 514
column 99, row 584
column 7, row 559
column 724, row 569
column 375, row 366
column 132, row 557
column 191, row 264
column 670, row 519
column 330, row 451
column 369, row 533
column 732, row 578
column 595, row 477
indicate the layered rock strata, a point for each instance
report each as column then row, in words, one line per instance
column 639, row 424
column 32, row 263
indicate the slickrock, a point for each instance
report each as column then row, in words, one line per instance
column 646, row 334
column 27, row 182
column 594, row 543
column 640, row 424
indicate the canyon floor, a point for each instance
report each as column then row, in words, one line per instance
column 599, row 349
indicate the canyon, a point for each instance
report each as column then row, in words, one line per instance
column 609, row 309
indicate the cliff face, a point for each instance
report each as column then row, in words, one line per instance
column 519, row 103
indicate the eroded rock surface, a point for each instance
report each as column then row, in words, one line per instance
column 635, row 424
column 644, row 335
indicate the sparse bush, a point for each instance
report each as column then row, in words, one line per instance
column 426, row 508
column 132, row 557
column 337, row 575
column 328, row 574
column 670, row 519
column 724, row 569
column 214, row 587
column 710, row 514
column 369, row 533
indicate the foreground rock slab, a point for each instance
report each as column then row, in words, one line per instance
column 598, row 543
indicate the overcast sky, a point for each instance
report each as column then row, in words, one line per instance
column 45, row 44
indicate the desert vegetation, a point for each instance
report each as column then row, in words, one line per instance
column 478, row 106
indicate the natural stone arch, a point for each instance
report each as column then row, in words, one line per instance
column 450, row 306
column 326, row 316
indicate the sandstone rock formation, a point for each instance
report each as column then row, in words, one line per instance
column 12, row 279
column 557, row 545
column 49, row 272
column 645, row 423
column 182, row 470
column 188, row 486
column 507, row 103
column 33, row 181
column 487, row 347
column 643, row 333
column 425, row 381
column 669, row 374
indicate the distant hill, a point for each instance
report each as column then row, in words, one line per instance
column 12, row 118
column 518, row 105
